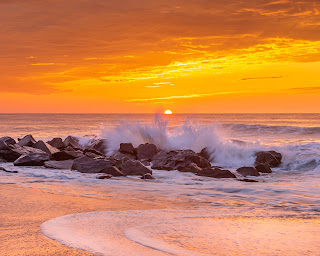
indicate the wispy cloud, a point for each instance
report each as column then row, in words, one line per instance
column 306, row 89
column 162, row 83
column 185, row 96
column 48, row 64
column 266, row 77
column 152, row 86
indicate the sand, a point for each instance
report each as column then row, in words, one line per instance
column 23, row 210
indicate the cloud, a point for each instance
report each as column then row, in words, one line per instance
column 306, row 89
column 185, row 96
column 267, row 77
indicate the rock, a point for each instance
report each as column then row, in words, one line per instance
column 56, row 143
column 99, row 145
column 114, row 171
column 5, row 170
column 127, row 148
column 248, row 180
column 13, row 152
column 216, row 173
column 173, row 159
column 120, row 156
column 205, row 153
column 102, row 177
column 147, row 176
column 93, row 155
column 61, row 165
column 3, row 145
column 71, row 141
column 146, row 151
column 27, row 140
column 8, row 140
column 32, row 159
column 66, row 155
column 271, row 158
column 248, row 171
column 93, row 151
column 192, row 167
column 89, row 165
column 45, row 147
column 263, row 168
column 134, row 167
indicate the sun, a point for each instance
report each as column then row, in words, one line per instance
column 168, row 112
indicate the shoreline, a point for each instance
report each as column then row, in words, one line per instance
column 23, row 210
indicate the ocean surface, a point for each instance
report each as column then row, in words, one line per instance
column 288, row 200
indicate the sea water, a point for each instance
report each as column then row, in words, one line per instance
column 280, row 204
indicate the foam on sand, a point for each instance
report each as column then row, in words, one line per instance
column 184, row 233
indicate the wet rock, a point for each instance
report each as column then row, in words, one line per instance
column 205, row 153
column 113, row 170
column 13, row 152
column 248, row 180
column 173, row 159
column 27, row 140
column 248, row 171
column 134, row 167
column 32, row 159
column 5, row 170
column 103, row 177
column 263, row 168
column 71, row 141
column 99, row 145
column 67, row 155
column 93, row 155
column 45, row 147
column 3, row 145
column 147, row 176
column 120, row 156
column 191, row 167
column 146, row 151
column 216, row 173
column 127, row 148
column 89, row 165
column 93, row 151
column 57, row 143
column 271, row 158
column 61, row 165
column 8, row 140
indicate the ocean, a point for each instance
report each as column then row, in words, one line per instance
column 291, row 191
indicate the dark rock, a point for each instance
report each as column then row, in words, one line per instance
column 248, row 180
column 216, row 173
column 120, row 156
column 103, row 177
column 89, row 165
column 27, row 140
column 3, row 145
column 127, row 148
column 173, row 159
column 93, row 151
column 45, row 147
column 191, row 167
column 145, row 162
column 147, row 176
column 57, row 143
column 271, row 158
column 263, row 168
column 8, row 140
column 248, row 171
column 5, row 170
column 114, row 171
column 99, row 145
column 205, row 153
column 66, row 155
column 32, row 159
column 71, row 141
column 146, row 151
column 62, row 165
column 134, row 167
column 93, row 155
column 13, row 152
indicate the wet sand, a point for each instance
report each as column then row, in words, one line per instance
column 23, row 210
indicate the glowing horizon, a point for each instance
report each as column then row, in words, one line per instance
column 144, row 57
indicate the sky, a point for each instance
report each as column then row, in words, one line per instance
column 145, row 56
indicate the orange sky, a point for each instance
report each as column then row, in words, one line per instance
column 150, row 55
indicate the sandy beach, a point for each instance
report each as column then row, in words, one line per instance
column 23, row 210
